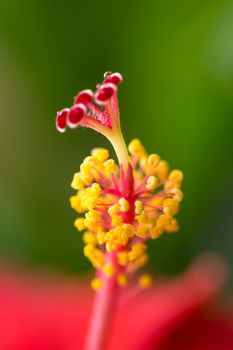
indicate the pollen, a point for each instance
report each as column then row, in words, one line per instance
column 109, row 270
column 122, row 279
column 96, row 284
column 110, row 166
column 152, row 183
column 80, row 224
column 145, row 281
column 124, row 205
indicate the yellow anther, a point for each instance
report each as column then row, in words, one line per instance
column 86, row 170
column 110, row 166
column 89, row 238
column 152, row 183
column 137, row 250
column 95, row 256
column 122, row 279
column 114, row 209
column 92, row 215
column 77, row 182
column 144, row 219
column 91, row 196
column 153, row 160
column 140, row 261
column 122, row 258
column 111, row 246
column 80, row 224
column 101, row 237
column 116, row 220
column 75, row 203
column 156, row 232
column 96, row 284
column 88, row 249
column 145, row 281
column 100, row 154
column 173, row 226
column 124, row 205
column 178, row 194
column 109, row 270
column 171, row 206
column 162, row 170
column 142, row 231
column 163, row 220
column 136, row 148
column 176, row 175
column 89, row 160
column 113, row 212
column 138, row 207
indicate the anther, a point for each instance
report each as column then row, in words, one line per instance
column 61, row 120
column 145, row 281
column 105, row 92
column 84, row 96
column 75, row 115
column 152, row 183
column 124, row 205
column 138, row 207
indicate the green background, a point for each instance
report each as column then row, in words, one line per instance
column 177, row 61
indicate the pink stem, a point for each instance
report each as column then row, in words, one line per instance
column 100, row 320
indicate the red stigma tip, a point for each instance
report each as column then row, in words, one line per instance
column 115, row 78
column 61, row 120
column 105, row 92
column 84, row 96
column 75, row 115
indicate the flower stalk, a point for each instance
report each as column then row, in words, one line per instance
column 102, row 312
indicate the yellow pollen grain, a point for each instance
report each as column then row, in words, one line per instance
column 178, row 194
column 122, row 258
column 152, row 183
column 96, row 284
column 162, row 170
column 101, row 237
column 89, row 238
column 145, row 281
column 136, row 148
column 122, row 279
column 171, row 206
column 100, row 154
column 124, row 205
column 114, row 209
column 138, row 207
column 110, row 166
column 176, row 175
column 153, row 160
column 109, row 270
column 137, row 250
column 80, row 224
column 77, row 182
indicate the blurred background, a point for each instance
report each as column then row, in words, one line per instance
column 177, row 61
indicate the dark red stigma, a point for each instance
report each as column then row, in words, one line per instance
column 105, row 92
column 75, row 115
column 61, row 119
column 84, row 96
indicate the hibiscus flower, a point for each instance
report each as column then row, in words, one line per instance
column 52, row 313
